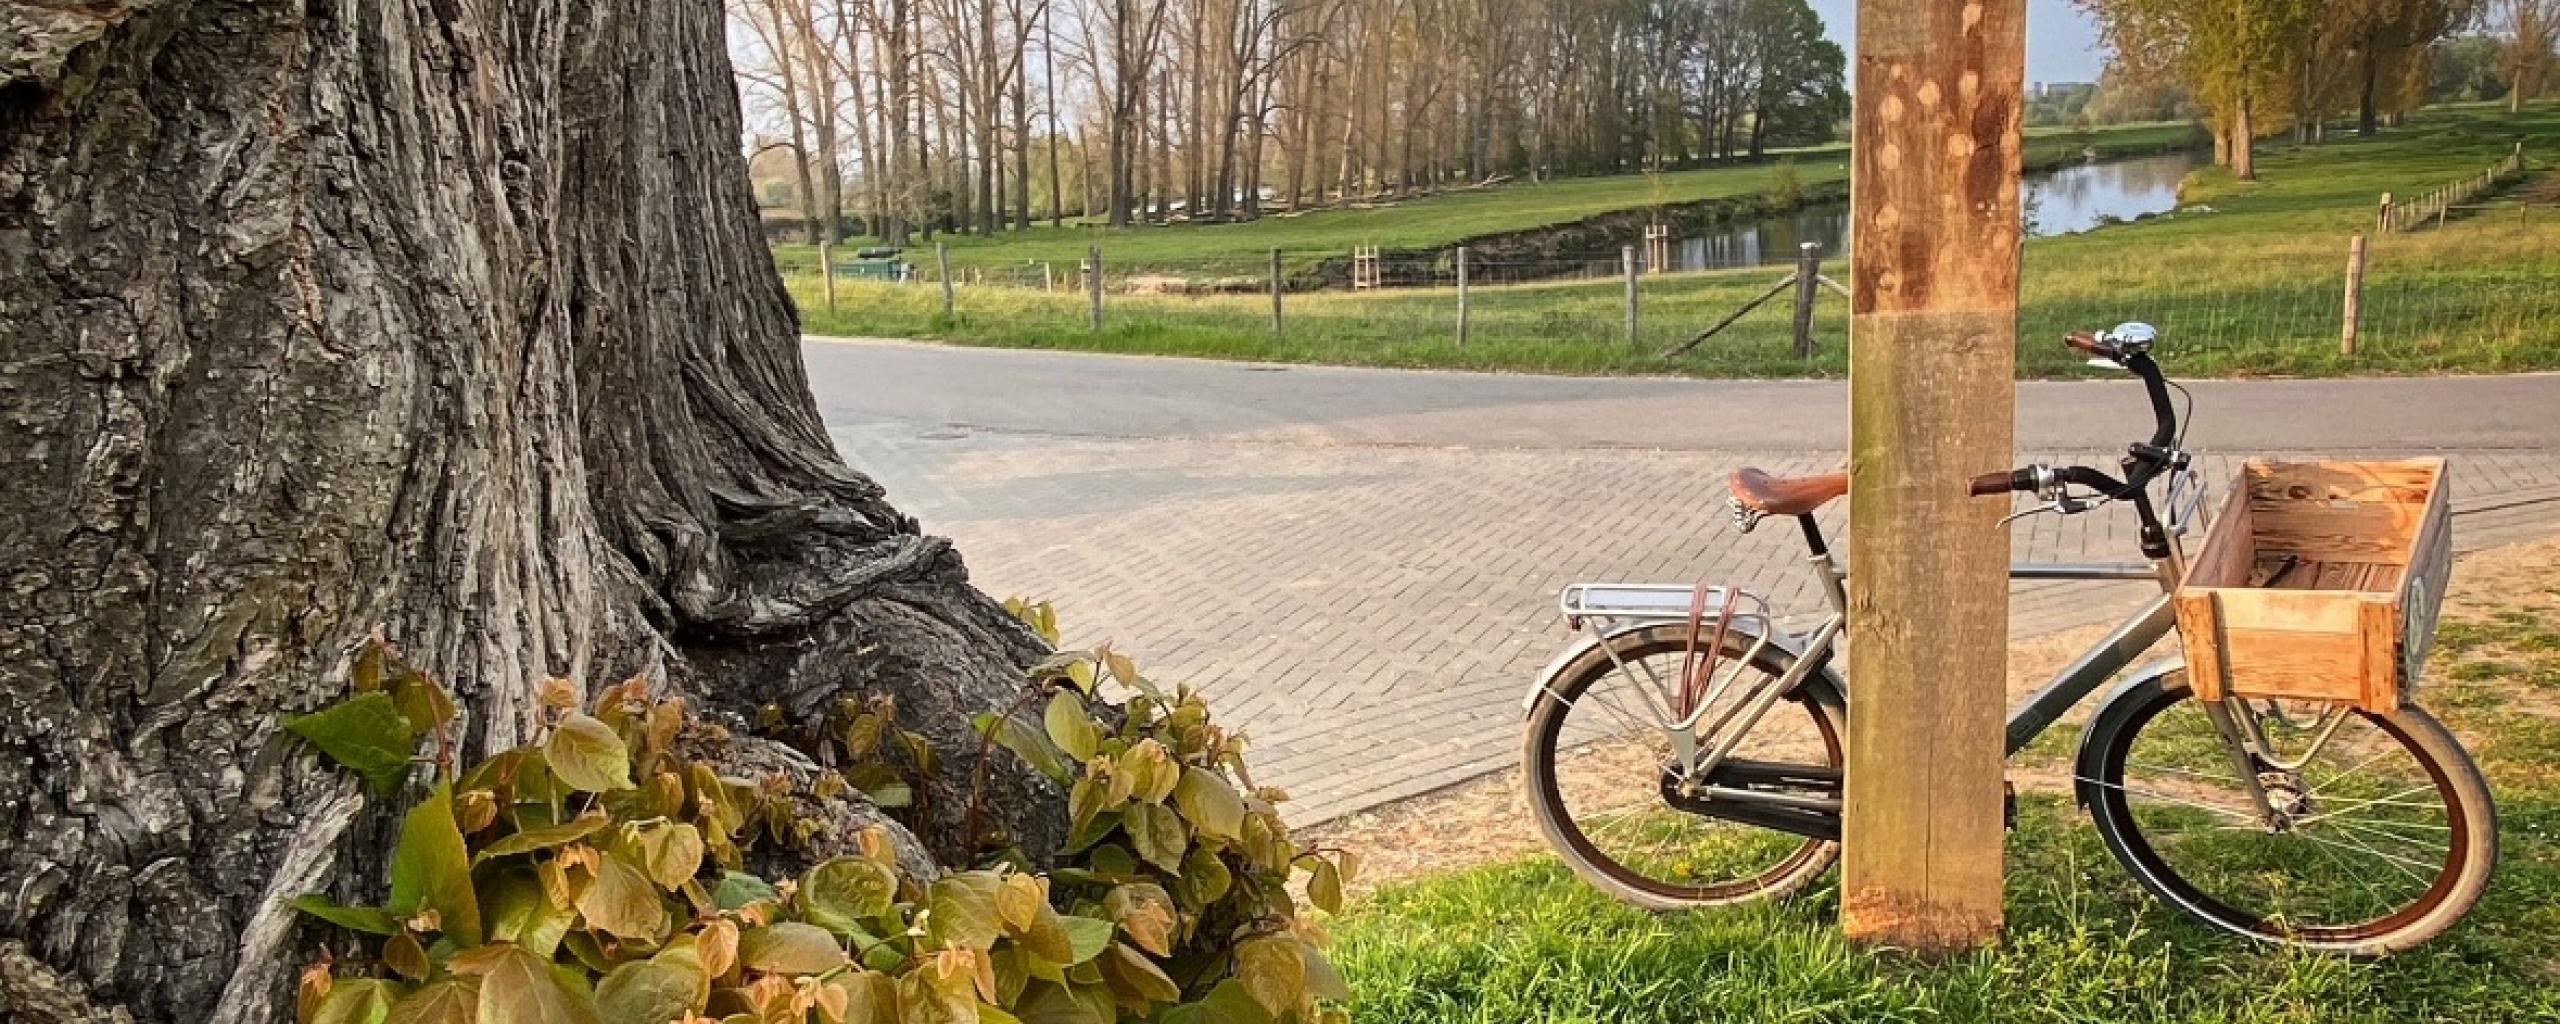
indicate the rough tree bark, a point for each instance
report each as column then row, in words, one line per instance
column 449, row 320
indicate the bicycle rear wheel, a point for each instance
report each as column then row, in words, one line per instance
column 2387, row 834
column 1595, row 754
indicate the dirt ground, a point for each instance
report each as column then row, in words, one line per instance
column 1488, row 820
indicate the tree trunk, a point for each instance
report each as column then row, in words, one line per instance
column 2244, row 140
column 2367, row 105
column 458, row 328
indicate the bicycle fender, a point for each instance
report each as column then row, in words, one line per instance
column 2112, row 712
column 1791, row 645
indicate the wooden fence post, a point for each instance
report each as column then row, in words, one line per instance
column 942, row 266
column 1048, row 277
column 1808, row 286
column 1462, row 296
column 827, row 271
column 1277, row 286
column 1093, row 284
column 1627, row 265
column 2355, row 296
column 1933, row 352
column 2382, row 219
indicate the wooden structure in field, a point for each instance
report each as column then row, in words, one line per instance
column 1365, row 269
column 1932, row 353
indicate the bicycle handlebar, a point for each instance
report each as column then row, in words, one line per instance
column 2148, row 460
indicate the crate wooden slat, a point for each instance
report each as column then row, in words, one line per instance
column 2319, row 581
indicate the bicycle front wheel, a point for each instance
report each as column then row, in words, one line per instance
column 2384, row 832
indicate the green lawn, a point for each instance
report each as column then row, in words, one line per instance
column 1447, row 219
column 2253, row 287
column 1525, row 941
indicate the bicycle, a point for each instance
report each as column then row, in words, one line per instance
column 2311, row 825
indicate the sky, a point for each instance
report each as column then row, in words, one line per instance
column 2062, row 43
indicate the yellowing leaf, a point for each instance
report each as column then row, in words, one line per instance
column 670, row 852
column 1019, row 900
column 367, row 734
column 426, row 705
column 406, row 957
column 841, row 893
column 1070, row 726
column 356, row 1001
column 1157, row 833
column 1323, row 982
column 515, row 908
column 648, row 992
column 717, row 946
column 1212, row 806
column 1047, row 938
column 543, row 838
column 1272, row 971
column 1144, row 912
column 1135, row 977
column 517, row 987
column 623, row 901
column 963, row 906
column 1205, row 875
column 790, row 947
column 1324, row 887
column 863, row 997
column 588, row 755
column 431, row 869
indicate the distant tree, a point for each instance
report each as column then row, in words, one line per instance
column 1800, row 92
column 2533, row 27
column 2466, row 69
column 2233, row 54
column 2122, row 96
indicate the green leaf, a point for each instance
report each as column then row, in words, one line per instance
column 367, row 734
column 1211, row 804
column 1050, row 1003
column 514, row 908
column 790, row 947
column 1205, row 875
column 1273, row 971
column 842, row 893
column 623, row 901
column 1323, row 981
column 518, row 987
column 588, row 755
column 1232, row 1003
column 357, row 1001
column 369, row 920
column 963, row 907
column 1032, row 746
column 648, row 992
column 1070, row 726
column 543, row 838
column 870, row 997
column 737, row 889
column 451, row 1001
column 1158, row 835
column 431, row 869
column 1087, row 937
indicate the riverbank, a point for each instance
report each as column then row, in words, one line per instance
column 1502, row 217
column 2246, row 279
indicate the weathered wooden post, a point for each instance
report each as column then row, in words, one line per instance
column 1278, row 285
column 1627, row 266
column 950, row 291
column 827, row 271
column 1048, row 277
column 1808, row 286
column 1932, row 356
column 1093, row 284
column 1462, row 296
column 2355, row 296
column 2382, row 219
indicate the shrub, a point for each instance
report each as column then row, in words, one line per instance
column 593, row 875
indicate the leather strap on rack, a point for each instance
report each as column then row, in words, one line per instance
column 1694, row 677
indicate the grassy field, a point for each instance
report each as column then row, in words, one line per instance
column 1522, row 940
column 2252, row 287
column 1448, row 219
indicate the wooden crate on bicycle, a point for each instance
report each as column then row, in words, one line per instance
column 2319, row 581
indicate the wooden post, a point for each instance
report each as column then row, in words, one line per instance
column 827, row 271
column 1048, row 276
column 2382, row 220
column 2355, row 296
column 1932, row 355
column 1277, row 287
column 1462, row 296
column 1093, row 284
column 942, row 265
column 1627, row 264
column 1808, row 286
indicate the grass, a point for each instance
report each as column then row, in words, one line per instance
column 2252, row 287
column 1525, row 941
column 1447, row 219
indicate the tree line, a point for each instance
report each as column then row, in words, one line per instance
column 899, row 116
column 2264, row 66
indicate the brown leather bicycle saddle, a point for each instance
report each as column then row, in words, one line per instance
column 1786, row 495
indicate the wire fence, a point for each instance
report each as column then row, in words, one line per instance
column 2437, row 300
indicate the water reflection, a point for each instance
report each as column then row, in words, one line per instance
column 2058, row 202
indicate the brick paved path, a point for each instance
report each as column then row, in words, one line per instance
column 1370, row 611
